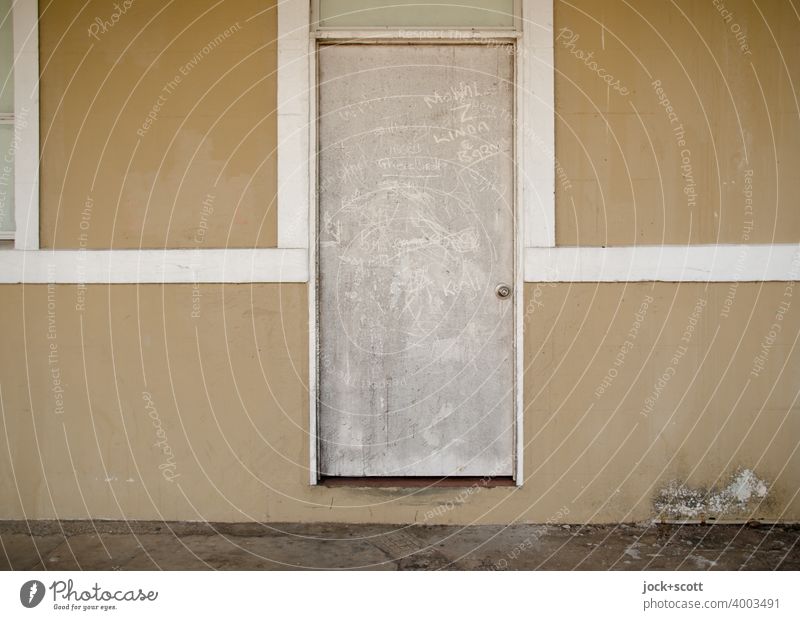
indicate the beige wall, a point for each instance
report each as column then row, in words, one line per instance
column 620, row 163
column 184, row 402
column 623, row 182
column 228, row 388
column 212, row 140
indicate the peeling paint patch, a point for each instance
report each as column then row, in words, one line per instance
column 741, row 496
column 633, row 551
column 701, row 562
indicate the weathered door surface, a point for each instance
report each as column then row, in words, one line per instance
column 415, row 225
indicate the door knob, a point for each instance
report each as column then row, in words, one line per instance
column 503, row 291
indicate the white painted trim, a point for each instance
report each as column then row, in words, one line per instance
column 534, row 204
column 519, row 265
column 153, row 266
column 313, row 333
column 698, row 263
column 25, row 15
column 670, row 263
column 294, row 143
column 297, row 176
column 537, row 118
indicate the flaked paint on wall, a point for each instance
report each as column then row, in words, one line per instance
column 741, row 498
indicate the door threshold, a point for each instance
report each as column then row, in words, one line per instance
column 417, row 481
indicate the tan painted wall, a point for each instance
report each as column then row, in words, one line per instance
column 227, row 388
column 207, row 386
column 620, row 163
column 203, row 172
column 740, row 112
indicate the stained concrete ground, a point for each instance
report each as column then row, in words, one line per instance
column 188, row 546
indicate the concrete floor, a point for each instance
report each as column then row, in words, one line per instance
column 189, row 546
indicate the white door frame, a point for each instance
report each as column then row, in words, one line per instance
column 533, row 61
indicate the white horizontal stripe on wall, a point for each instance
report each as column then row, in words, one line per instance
column 153, row 266
column 669, row 263
column 699, row 263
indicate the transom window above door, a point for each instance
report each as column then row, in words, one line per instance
column 460, row 14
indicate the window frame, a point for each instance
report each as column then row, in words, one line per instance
column 7, row 118
column 25, row 120
column 26, row 124
column 26, row 263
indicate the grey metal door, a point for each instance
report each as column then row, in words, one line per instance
column 415, row 242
